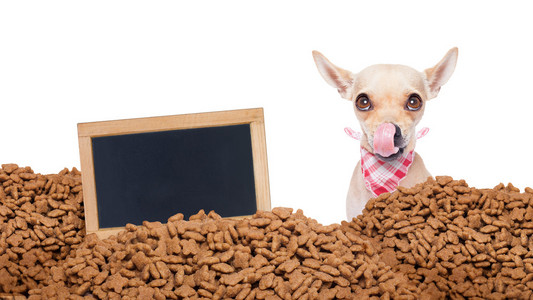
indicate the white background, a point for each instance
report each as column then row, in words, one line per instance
column 65, row 62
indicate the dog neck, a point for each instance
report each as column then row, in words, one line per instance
column 383, row 176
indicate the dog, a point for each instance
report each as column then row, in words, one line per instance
column 389, row 101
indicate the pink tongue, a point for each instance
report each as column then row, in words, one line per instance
column 384, row 140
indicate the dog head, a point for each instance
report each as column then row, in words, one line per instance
column 388, row 100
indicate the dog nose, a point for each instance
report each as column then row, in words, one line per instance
column 398, row 139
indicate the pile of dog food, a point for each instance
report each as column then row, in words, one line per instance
column 440, row 239
column 41, row 221
column 455, row 241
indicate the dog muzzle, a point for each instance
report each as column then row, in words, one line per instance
column 358, row 135
column 384, row 140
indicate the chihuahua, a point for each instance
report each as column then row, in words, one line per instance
column 389, row 101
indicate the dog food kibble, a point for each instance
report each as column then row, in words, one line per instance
column 438, row 240
column 41, row 222
column 451, row 240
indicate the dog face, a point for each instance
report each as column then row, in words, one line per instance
column 392, row 94
column 388, row 100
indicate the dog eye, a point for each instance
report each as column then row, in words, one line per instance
column 363, row 103
column 414, row 103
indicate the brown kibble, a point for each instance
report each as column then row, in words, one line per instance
column 289, row 265
column 258, row 261
column 401, row 224
column 231, row 279
column 82, row 289
column 127, row 273
column 265, row 270
column 208, row 286
column 226, row 256
column 282, row 212
column 330, row 270
column 193, row 235
column 56, row 213
column 443, row 180
column 101, row 277
column 9, row 168
column 14, row 240
column 274, row 225
column 189, row 247
column 185, row 291
column 223, row 268
column 5, row 211
column 266, row 281
column 49, row 222
column 260, row 222
column 243, row 293
column 88, row 273
column 255, row 234
column 116, row 282
column 241, row 260
column 311, row 263
column 209, row 260
column 489, row 229
column 140, row 260
column 157, row 283
column 439, row 239
column 163, row 269
column 58, row 274
column 323, row 276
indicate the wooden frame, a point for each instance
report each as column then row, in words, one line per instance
column 87, row 131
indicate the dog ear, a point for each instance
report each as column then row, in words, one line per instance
column 338, row 78
column 441, row 72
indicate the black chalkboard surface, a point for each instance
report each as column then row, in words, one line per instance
column 180, row 171
column 149, row 169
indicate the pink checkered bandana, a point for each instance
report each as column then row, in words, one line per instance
column 384, row 176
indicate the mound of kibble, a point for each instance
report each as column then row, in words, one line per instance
column 41, row 220
column 455, row 241
column 438, row 240
column 272, row 255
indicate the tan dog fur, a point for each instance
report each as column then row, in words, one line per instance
column 388, row 87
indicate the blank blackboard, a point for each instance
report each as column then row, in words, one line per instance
column 180, row 171
column 149, row 169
